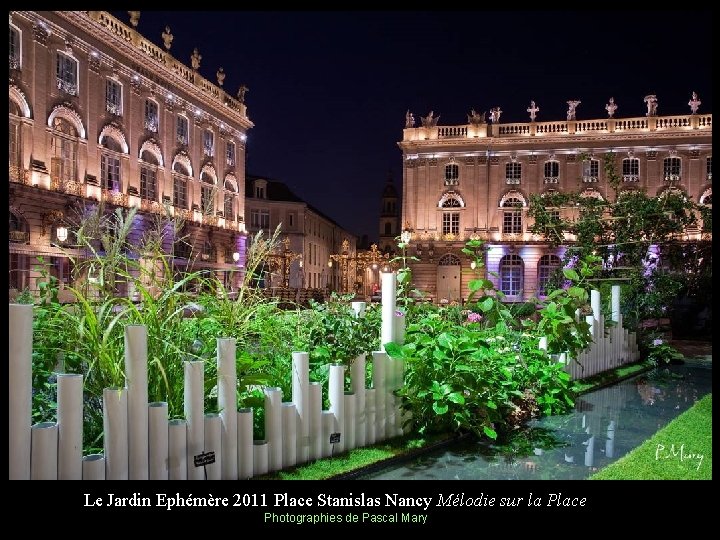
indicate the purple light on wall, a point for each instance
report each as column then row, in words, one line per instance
column 240, row 244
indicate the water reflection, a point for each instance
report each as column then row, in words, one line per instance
column 605, row 425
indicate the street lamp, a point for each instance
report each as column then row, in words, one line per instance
column 285, row 259
column 343, row 258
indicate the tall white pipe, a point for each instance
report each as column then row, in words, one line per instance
column 329, row 426
column 399, row 328
column 357, row 384
column 301, row 399
column 177, row 449
column 398, row 384
column 93, row 467
column 390, row 399
column 595, row 303
column 213, row 443
column 336, row 391
column 245, row 451
column 195, row 416
column 273, row 427
column 379, row 369
column 44, row 454
column 70, row 425
column 136, row 382
column 158, row 445
column 261, row 458
column 227, row 402
column 20, row 389
column 388, row 298
column 115, row 432
column 370, row 415
column 290, row 434
column 349, row 432
column 358, row 308
column 315, row 421
column 615, row 303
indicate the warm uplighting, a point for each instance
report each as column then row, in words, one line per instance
column 236, row 256
column 62, row 233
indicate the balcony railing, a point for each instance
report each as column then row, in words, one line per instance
column 631, row 178
column 113, row 108
column 452, row 182
column 18, row 174
column 151, row 124
column 551, row 180
column 589, row 179
column 670, row 178
column 512, row 181
column 66, row 86
column 115, row 197
column 14, row 62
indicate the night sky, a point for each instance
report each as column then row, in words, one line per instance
column 329, row 90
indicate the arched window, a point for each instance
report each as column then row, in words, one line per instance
column 181, row 173
column 151, row 116
column 67, row 73
column 552, row 172
column 449, row 260
column 15, row 141
column 591, row 170
column 148, row 176
column 113, row 97
column 451, row 220
column 15, row 48
column 546, row 266
column 230, row 153
column 631, row 170
column 207, row 193
column 182, row 131
column 208, row 143
column 671, row 169
column 513, row 172
column 110, row 164
column 230, row 193
column 63, row 151
column 511, row 275
column 512, row 219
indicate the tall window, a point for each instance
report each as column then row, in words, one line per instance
column 513, row 172
column 671, row 169
column 208, row 143
column 230, row 154
column 552, row 172
column 63, row 150
column 546, row 266
column 182, row 130
column 148, row 177
column 113, row 97
column 511, row 275
column 512, row 219
column 67, row 74
column 180, row 178
column 709, row 168
column 207, row 190
column 14, row 48
column 631, row 170
column 388, row 228
column 451, row 223
column 151, row 116
column 110, row 164
column 259, row 192
column 452, row 173
column 591, row 170
column 15, row 143
column 229, row 198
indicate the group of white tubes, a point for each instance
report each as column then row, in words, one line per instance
column 141, row 442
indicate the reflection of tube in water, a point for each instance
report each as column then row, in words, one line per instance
column 610, row 441
column 590, row 451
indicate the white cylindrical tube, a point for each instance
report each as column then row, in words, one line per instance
column 115, row 432
column 389, row 294
column 349, row 432
column 273, row 427
column 213, row 443
column 301, row 399
column 70, row 425
column 245, row 452
column 358, row 308
column 20, row 389
column 399, row 328
column 591, row 321
column 93, row 467
column 370, row 416
column 399, row 382
column 329, row 426
column 44, row 454
column 542, row 344
column 177, row 450
column 390, row 399
column 379, row 372
column 227, row 403
column 357, row 384
column 315, row 420
column 136, row 382
column 615, row 303
column 158, row 440
column 336, row 392
column 290, row 434
column 596, row 305
column 195, row 416
column 260, row 458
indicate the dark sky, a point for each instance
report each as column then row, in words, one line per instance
column 329, row 90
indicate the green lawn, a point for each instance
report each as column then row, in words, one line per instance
column 673, row 453
column 611, row 376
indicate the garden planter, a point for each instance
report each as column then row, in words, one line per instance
column 357, row 382
column 195, row 416
column 315, row 421
column 370, row 415
column 44, row 456
column 329, row 426
column 336, row 384
column 136, row 382
column 389, row 293
column 177, row 445
column 380, row 361
column 227, row 403
column 301, row 399
column 245, row 452
column 115, row 433
column 349, row 427
column 273, row 427
column 93, row 467
column 20, row 389
column 213, row 443
column 290, row 436
column 260, row 457
column 70, row 425
column 158, row 449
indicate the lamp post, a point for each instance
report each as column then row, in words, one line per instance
column 283, row 260
column 343, row 258
column 372, row 259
